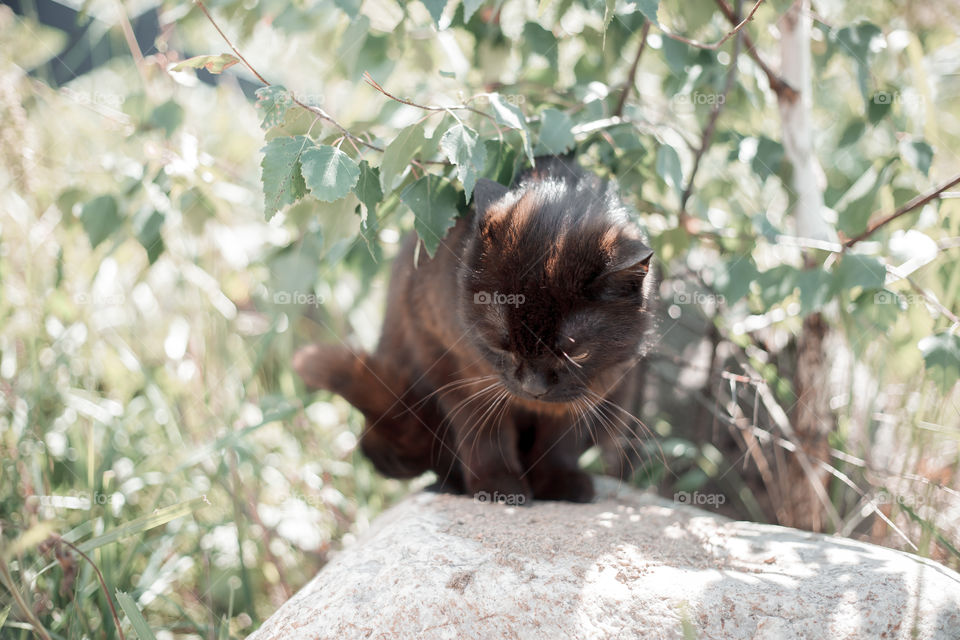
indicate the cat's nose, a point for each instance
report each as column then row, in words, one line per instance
column 534, row 383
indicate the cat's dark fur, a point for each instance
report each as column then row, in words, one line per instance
column 510, row 352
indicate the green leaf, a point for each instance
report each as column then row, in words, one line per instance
column 398, row 155
column 649, row 10
column 854, row 217
column 215, row 64
column 349, row 7
column 879, row 106
column 941, row 356
column 668, row 167
column 852, row 133
column 541, row 41
column 147, row 226
column 328, row 172
column 435, row 7
column 143, row 523
column 855, row 40
column 100, row 217
column 433, row 200
column 353, row 46
column 281, row 173
column 510, row 115
column 874, row 309
column 469, row 8
column 368, row 187
column 768, row 158
column 676, row 54
column 732, row 279
column 196, row 208
column 4, row 614
column 816, row 288
column 167, row 116
column 459, row 145
column 556, row 136
column 136, row 618
column 859, row 271
column 501, row 165
column 369, row 230
column 273, row 103
column 776, row 284
column 918, row 154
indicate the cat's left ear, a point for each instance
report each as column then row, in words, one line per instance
column 485, row 193
column 626, row 271
column 630, row 255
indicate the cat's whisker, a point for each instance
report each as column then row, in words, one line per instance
column 504, row 401
column 610, row 430
column 450, row 386
column 572, row 361
column 621, row 436
column 646, row 430
column 480, row 397
column 476, row 427
column 460, row 406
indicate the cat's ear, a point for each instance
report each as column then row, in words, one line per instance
column 626, row 270
column 629, row 255
column 485, row 193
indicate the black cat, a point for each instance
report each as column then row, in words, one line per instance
column 511, row 351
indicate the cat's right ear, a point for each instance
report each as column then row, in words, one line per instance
column 485, row 193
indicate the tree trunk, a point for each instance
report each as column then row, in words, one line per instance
column 812, row 421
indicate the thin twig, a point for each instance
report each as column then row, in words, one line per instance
column 777, row 84
column 132, row 44
column 426, row 107
column 915, row 203
column 929, row 297
column 320, row 113
column 719, row 43
column 103, row 583
column 711, row 125
column 8, row 582
column 632, row 76
column 780, row 418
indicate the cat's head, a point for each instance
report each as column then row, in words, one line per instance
column 555, row 284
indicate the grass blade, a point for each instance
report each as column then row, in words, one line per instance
column 159, row 517
column 136, row 618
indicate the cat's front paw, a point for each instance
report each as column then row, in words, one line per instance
column 572, row 485
column 502, row 489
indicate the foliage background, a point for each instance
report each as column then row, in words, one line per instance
column 156, row 279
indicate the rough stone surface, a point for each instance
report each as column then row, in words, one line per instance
column 630, row 565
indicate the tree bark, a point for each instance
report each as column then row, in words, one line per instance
column 811, row 417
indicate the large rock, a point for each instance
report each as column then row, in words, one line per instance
column 630, row 565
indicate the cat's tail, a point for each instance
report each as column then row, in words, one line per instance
column 351, row 373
